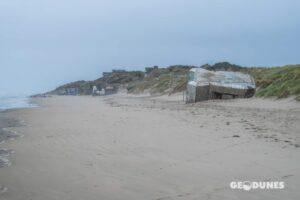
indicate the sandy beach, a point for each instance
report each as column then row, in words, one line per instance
column 125, row 147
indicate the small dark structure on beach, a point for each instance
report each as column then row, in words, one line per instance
column 108, row 90
column 205, row 85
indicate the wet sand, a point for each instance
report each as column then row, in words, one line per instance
column 141, row 147
column 6, row 134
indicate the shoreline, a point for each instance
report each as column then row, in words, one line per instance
column 6, row 134
column 8, row 122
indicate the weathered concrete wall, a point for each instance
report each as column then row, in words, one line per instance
column 203, row 93
column 191, row 94
column 240, row 93
column 206, row 92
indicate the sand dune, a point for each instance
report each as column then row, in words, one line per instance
column 157, row 148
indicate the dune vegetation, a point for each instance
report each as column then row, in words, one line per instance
column 279, row 82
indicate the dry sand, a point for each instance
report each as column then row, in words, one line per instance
column 154, row 148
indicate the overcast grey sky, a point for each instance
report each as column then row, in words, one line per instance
column 44, row 43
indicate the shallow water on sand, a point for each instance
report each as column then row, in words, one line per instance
column 6, row 134
column 11, row 102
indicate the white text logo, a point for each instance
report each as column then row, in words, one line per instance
column 252, row 185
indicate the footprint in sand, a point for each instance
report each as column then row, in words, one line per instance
column 287, row 176
column 2, row 189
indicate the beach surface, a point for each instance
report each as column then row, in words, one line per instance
column 125, row 147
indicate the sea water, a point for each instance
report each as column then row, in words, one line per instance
column 11, row 102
